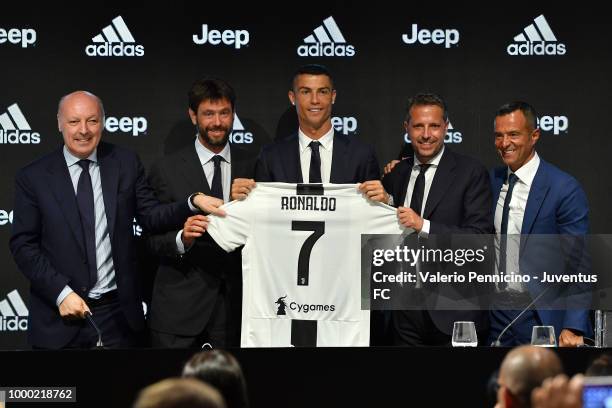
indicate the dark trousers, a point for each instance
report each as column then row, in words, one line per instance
column 415, row 328
column 216, row 333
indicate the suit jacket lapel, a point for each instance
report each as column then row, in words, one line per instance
column 291, row 160
column 192, row 171
column 537, row 194
column 110, row 168
column 443, row 179
column 404, row 179
column 499, row 176
column 63, row 191
column 339, row 160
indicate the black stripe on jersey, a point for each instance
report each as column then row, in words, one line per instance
column 304, row 333
column 309, row 189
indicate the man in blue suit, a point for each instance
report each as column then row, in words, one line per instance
column 541, row 221
column 72, row 233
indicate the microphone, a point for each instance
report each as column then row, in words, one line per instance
column 497, row 342
column 93, row 324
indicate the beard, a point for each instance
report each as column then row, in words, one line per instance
column 214, row 142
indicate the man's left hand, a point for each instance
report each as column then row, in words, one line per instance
column 409, row 219
column 374, row 190
column 567, row 338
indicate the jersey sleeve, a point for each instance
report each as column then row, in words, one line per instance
column 232, row 231
column 382, row 219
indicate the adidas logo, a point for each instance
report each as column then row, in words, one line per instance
column 13, row 313
column 239, row 135
column 25, row 36
column 15, row 129
column 6, row 217
column 438, row 36
column 116, row 40
column 237, row 38
column 327, row 41
column 452, row 135
column 536, row 39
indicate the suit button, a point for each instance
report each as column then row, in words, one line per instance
column 83, row 289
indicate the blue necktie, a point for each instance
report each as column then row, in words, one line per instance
column 85, row 202
column 503, row 238
column 216, row 190
column 315, row 163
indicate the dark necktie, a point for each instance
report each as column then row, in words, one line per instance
column 216, row 189
column 315, row 163
column 416, row 202
column 85, row 202
column 503, row 238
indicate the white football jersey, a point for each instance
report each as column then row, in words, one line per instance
column 301, row 262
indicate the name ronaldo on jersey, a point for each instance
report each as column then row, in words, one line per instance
column 308, row 203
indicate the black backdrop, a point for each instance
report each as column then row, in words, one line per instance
column 145, row 96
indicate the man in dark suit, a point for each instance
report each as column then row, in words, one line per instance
column 541, row 219
column 440, row 192
column 315, row 153
column 72, row 233
column 197, row 289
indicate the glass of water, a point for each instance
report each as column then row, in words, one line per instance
column 543, row 336
column 464, row 334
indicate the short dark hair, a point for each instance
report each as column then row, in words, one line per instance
column 213, row 89
column 312, row 69
column 179, row 393
column 221, row 370
column 425, row 99
column 528, row 110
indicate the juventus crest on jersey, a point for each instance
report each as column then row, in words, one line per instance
column 301, row 262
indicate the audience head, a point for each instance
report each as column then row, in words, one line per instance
column 179, row 393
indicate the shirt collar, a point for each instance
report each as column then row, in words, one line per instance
column 72, row 159
column 435, row 162
column 205, row 155
column 326, row 140
column 527, row 172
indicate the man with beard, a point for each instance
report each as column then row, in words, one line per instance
column 197, row 289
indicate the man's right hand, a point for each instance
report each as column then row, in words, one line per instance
column 241, row 188
column 193, row 228
column 73, row 307
column 389, row 166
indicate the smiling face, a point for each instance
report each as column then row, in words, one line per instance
column 514, row 139
column 313, row 96
column 80, row 119
column 426, row 128
column 214, row 121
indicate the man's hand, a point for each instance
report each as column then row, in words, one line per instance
column 374, row 190
column 389, row 166
column 208, row 204
column 194, row 227
column 73, row 307
column 408, row 218
column 568, row 339
column 559, row 392
column 241, row 188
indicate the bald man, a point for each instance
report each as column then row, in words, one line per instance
column 72, row 233
column 524, row 369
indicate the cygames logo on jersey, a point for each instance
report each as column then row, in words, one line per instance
column 452, row 135
column 23, row 36
column 13, row 313
column 344, row 124
column 136, row 125
column 554, row 124
column 116, row 40
column 326, row 41
column 239, row 134
column 235, row 38
column 281, row 309
column 536, row 39
column 439, row 36
column 15, row 129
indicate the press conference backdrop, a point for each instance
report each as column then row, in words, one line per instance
column 142, row 60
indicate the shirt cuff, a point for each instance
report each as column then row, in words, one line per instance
column 424, row 232
column 180, row 246
column 192, row 207
column 63, row 294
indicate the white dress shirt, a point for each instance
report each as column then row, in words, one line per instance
column 325, row 152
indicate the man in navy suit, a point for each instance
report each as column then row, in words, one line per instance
column 439, row 192
column 315, row 153
column 541, row 220
column 72, row 233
